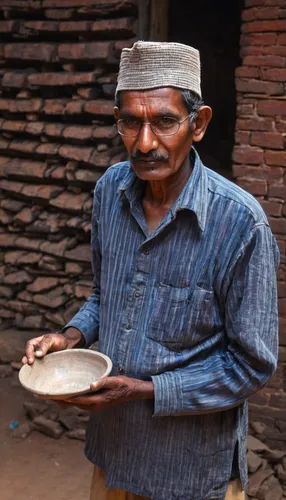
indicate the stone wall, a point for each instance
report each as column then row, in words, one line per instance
column 58, row 66
column 259, row 167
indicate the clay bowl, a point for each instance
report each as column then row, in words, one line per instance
column 65, row 373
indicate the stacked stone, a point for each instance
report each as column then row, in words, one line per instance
column 58, row 65
column 260, row 161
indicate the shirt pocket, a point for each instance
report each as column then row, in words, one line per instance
column 180, row 317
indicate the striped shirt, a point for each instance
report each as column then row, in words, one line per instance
column 192, row 307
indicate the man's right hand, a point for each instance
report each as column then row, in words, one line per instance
column 51, row 342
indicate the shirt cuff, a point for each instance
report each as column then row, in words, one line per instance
column 85, row 328
column 168, row 394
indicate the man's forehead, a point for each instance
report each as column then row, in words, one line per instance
column 167, row 96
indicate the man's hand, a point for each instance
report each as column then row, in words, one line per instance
column 112, row 391
column 51, row 342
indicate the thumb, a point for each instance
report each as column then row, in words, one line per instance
column 104, row 383
column 43, row 347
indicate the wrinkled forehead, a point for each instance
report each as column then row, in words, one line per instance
column 159, row 98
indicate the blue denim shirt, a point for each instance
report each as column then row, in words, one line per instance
column 192, row 307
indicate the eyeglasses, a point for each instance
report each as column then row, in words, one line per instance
column 167, row 125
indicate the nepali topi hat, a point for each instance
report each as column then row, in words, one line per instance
column 149, row 65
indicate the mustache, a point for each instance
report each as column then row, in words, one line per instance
column 152, row 155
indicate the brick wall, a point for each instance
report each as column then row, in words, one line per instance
column 58, row 65
column 259, row 166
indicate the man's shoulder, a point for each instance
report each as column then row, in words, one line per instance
column 114, row 175
column 242, row 201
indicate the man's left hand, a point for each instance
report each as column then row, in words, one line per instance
column 112, row 391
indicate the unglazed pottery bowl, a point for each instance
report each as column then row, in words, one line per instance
column 65, row 373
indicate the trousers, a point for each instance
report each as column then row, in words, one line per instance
column 98, row 491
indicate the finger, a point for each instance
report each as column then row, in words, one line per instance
column 30, row 349
column 105, row 383
column 44, row 346
column 24, row 360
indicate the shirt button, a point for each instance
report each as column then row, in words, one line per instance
column 137, row 294
column 128, row 326
column 145, row 251
column 120, row 371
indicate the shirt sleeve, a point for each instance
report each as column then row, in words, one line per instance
column 224, row 380
column 87, row 318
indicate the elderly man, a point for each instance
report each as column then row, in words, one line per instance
column 184, row 298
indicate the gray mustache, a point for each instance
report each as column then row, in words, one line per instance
column 153, row 155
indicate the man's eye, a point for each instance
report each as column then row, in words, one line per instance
column 164, row 122
column 130, row 122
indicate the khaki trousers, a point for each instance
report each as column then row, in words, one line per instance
column 98, row 491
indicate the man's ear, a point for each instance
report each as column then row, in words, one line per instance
column 200, row 125
column 116, row 113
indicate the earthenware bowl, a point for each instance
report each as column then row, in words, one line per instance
column 65, row 373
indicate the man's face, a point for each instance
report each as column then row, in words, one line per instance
column 154, row 157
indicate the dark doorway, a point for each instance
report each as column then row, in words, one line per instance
column 214, row 29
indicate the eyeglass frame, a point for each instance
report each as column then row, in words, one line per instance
column 149, row 123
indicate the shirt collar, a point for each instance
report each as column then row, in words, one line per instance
column 194, row 196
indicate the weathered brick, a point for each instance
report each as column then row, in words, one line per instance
column 99, row 107
column 103, row 7
column 78, row 132
column 89, row 176
column 258, row 39
column 42, row 192
column 24, row 146
column 271, row 108
column 80, row 254
column 55, row 249
column 74, row 107
column 48, row 148
column 278, row 226
column 265, row 60
column 75, row 26
column 48, row 300
column 17, row 278
column 104, row 132
column 275, row 74
column 275, row 158
column 270, row 140
column 60, row 79
column 21, row 105
column 282, row 39
column 94, row 51
column 68, row 201
column 14, row 79
column 54, row 129
column 254, row 186
column 59, row 13
column 26, row 216
column 259, row 87
column 14, row 126
column 31, row 51
column 55, row 106
column 42, row 284
column 242, row 137
column 115, row 27
column 75, row 153
column 9, row 26
column 24, row 168
column 282, row 303
column 247, row 72
column 254, row 14
column 261, row 26
column 252, row 156
column 281, row 289
column 35, row 128
column 277, row 191
column 248, row 172
column 41, row 26
column 271, row 207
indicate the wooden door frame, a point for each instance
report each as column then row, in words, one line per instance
column 153, row 20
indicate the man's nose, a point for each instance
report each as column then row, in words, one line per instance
column 146, row 140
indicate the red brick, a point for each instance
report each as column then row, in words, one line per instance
column 17, row 278
column 282, row 39
column 99, row 107
column 31, row 51
column 9, row 26
column 245, row 109
column 41, row 26
column 55, row 79
column 35, row 128
column 256, row 186
column 114, row 27
column 271, row 108
column 261, row 26
column 13, row 126
column 59, row 13
column 95, row 51
column 75, row 26
column 259, row 87
column 275, row 74
column 14, row 79
column 272, row 61
column 242, row 137
column 78, row 132
column 247, row 72
column 104, row 132
column 278, row 225
column 23, row 146
column 68, row 201
column 258, row 39
column 275, row 158
column 21, row 105
column 24, row 168
column 271, row 208
column 281, row 289
column 280, row 125
column 282, row 303
column 104, row 6
column 260, row 13
column 275, row 175
column 250, row 172
column 254, row 124
column 48, row 148
column 80, row 254
column 55, row 106
column 54, row 129
column 275, row 50
column 40, row 191
column 270, row 140
column 42, row 284
column 75, row 153
column 74, row 107
column 253, row 156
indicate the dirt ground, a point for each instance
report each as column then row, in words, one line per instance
column 38, row 467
